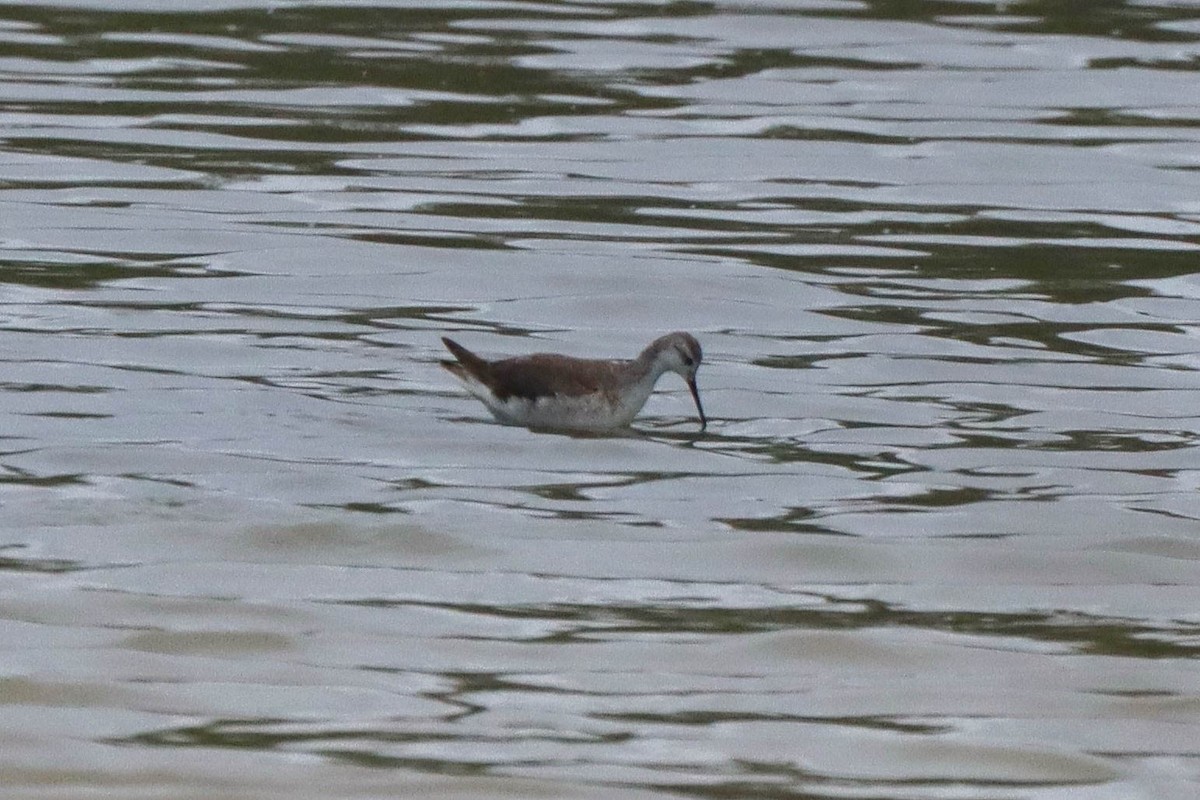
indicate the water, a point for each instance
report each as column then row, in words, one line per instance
column 940, row 539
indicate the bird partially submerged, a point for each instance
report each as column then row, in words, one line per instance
column 547, row 390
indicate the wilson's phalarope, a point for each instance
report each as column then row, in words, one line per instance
column 546, row 390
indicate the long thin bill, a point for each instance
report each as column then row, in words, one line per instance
column 696, row 396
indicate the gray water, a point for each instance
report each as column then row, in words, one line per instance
column 940, row 540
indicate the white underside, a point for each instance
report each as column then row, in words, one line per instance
column 591, row 412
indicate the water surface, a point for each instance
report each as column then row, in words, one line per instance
column 938, row 541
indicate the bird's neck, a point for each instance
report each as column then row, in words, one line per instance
column 646, row 369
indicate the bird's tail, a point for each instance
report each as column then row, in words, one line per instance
column 467, row 361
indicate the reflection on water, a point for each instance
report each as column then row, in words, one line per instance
column 939, row 539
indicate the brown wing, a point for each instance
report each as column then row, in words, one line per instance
column 546, row 375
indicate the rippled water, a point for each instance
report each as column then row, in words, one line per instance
column 940, row 540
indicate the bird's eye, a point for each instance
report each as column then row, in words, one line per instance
column 687, row 361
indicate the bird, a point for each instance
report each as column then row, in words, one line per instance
column 557, row 392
